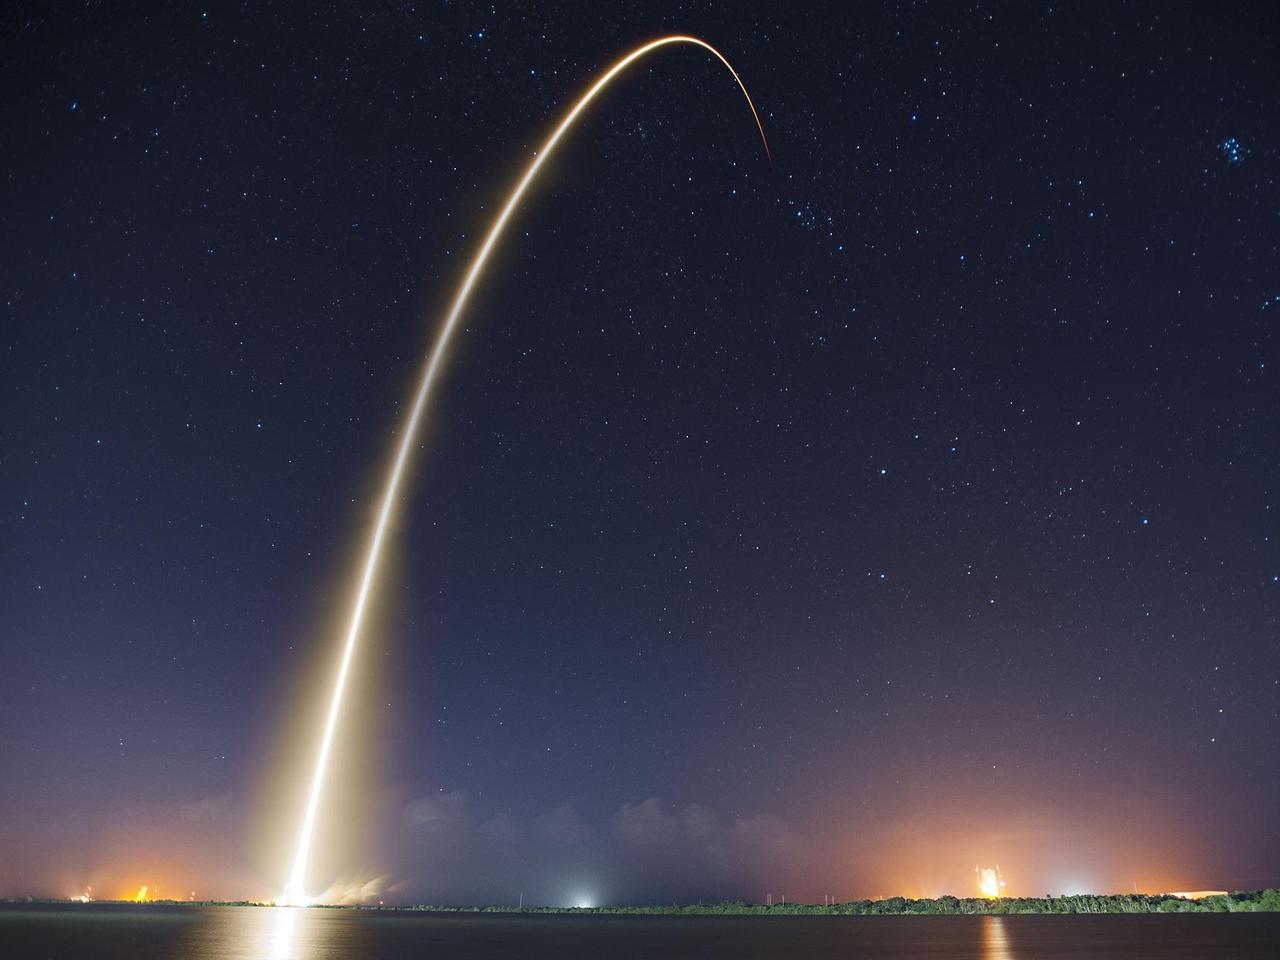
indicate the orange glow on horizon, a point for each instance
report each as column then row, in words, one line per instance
column 145, row 893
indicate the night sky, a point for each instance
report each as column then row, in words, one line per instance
column 829, row 528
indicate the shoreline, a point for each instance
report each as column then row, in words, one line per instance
column 1250, row 901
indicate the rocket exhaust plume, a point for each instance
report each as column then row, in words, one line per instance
column 990, row 882
column 294, row 891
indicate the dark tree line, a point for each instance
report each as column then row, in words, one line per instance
column 1251, row 901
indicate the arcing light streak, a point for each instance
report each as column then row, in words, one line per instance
column 294, row 890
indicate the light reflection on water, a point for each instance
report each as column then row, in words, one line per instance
column 272, row 933
column 283, row 928
column 308, row 933
column 171, row 932
column 996, row 944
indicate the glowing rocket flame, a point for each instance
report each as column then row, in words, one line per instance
column 141, row 896
column 990, row 883
column 294, row 892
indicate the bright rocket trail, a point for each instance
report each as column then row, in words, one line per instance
column 294, row 892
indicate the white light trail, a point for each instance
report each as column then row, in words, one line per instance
column 294, row 890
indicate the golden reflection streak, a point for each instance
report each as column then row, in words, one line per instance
column 294, row 892
column 996, row 944
column 281, row 932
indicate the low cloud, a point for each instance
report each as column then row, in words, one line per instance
column 645, row 823
column 564, row 826
column 699, row 821
column 643, row 849
column 500, row 828
column 437, row 812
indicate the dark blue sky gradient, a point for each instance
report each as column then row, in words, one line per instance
column 823, row 529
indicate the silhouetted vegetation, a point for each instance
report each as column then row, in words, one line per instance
column 1248, row 901
column 1253, row 901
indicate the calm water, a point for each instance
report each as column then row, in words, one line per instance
column 261, row 933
